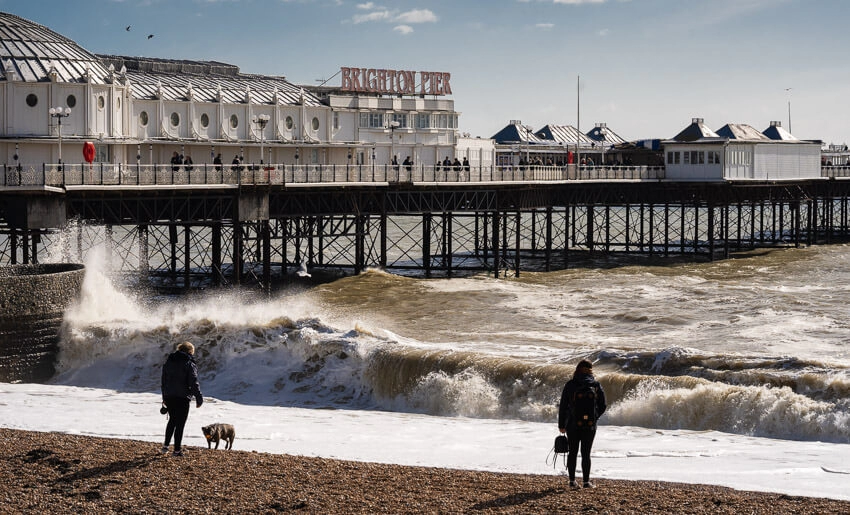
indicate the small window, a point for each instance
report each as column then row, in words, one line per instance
column 32, row 100
column 205, row 120
column 234, row 121
column 100, row 102
column 713, row 157
column 289, row 123
column 175, row 119
column 118, row 103
column 315, row 124
column 401, row 119
column 336, row 120
column 372, row 120
column 143, row 118
column 71, row 101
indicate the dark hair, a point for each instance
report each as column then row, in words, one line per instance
column 584, row 367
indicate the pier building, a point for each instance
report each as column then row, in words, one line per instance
column 307, row 177
column 740, row 152
column 56, row 95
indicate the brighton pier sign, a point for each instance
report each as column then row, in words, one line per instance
column 395, row 82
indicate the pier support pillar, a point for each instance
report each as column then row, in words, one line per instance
column 237, row 253
column 426, row 243
column 495, row 240
column 217, row 276
column 265, row 234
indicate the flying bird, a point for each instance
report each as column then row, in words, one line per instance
column 150, row 36
column 128, row 28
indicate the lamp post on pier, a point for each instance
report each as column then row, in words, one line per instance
column 261, row 121
column 59, row 113
column 603, row 131
column 393, row 125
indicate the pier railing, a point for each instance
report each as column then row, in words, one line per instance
column 835, row 171
column 103, row 174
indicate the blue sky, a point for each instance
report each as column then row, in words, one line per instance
column 647, row 66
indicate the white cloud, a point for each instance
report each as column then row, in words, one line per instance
column 404, row 19
column 417, row 16
column 545, row 26
column 603, row 32
column 373, row 16
column 366, row 6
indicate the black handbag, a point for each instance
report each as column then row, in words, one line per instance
column 562, row 445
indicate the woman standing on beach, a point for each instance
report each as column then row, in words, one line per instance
column 582, row 403
column 179, row 385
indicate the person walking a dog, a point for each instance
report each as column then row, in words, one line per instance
column 582, row 403
column 179, row 385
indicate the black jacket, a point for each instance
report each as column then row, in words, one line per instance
column 565, row 415
column 180, row 377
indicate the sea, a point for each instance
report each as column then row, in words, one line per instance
column 733, row 372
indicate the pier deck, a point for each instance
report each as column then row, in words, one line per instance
column 257, row 225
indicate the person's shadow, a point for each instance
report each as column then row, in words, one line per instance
column 516, row 499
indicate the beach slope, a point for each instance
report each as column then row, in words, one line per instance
column 59, row 473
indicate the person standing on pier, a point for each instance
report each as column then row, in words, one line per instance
column 176, row 161
column 179, row 385
column 582, row 403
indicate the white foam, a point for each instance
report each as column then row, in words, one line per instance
column 620, row 452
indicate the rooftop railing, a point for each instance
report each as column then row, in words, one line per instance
column 102, row 174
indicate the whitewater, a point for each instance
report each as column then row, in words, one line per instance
column 733, row 373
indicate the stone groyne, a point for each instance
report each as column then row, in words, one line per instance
column 33, row 299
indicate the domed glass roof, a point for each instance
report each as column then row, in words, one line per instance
column 29, row 51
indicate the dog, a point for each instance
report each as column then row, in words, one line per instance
column 217, row 432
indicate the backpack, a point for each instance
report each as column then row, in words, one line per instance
column 584, row 406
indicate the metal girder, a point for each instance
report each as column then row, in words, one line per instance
column 152, row 208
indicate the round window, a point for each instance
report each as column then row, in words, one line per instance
column 32, row 100
column 71, row 101
column 315, row 124
column 100, row 102
column 234, row 121
column 175, row 119
column 205, row 120
column 289, row 123
column 143, row 118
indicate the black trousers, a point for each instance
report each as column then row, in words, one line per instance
column 178, row 412
column 580, row 439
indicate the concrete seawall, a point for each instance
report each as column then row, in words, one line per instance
column 33, row 299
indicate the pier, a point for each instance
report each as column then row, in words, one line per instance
column 255, row 225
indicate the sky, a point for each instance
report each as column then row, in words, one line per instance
column 643, row 67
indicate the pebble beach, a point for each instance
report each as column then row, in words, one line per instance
column 60, row 473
